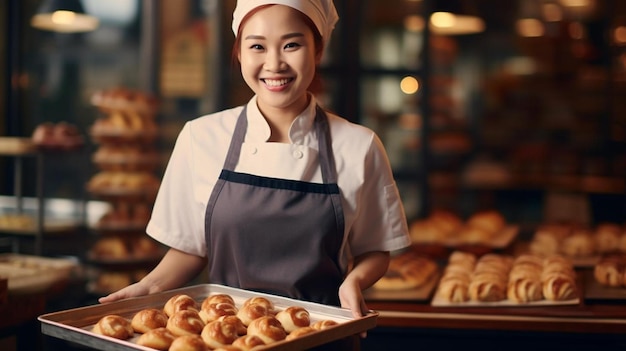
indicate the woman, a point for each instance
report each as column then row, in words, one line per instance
column 277, row 196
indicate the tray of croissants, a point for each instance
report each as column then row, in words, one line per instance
column 205, row 317
column 504, row 280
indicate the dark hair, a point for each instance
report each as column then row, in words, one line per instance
column 316, row 84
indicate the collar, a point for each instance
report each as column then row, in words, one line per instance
column 259, row 130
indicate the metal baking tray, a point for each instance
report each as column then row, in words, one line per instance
column 75, row 325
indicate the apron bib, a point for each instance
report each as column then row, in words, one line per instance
column 277, row 236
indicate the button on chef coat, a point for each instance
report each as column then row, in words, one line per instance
column 373, row 212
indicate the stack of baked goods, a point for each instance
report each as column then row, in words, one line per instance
column 127, row 163
column 610, row 270
column 502, row 278
column 487, row 228
column 578, row 241
column 407, row 270
column 216, row 322
column 61, row 135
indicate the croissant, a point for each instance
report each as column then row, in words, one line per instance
column 559, row 287
column 453, row 289
column 525, row 290
column 485, row 288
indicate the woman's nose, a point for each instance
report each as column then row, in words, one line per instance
column 274, row 61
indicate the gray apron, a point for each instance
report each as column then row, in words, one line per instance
column 277, row 236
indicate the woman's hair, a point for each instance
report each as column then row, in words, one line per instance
column 315, row 85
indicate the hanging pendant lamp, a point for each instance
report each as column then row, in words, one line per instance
column 64, row 16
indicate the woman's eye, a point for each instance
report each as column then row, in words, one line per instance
column 256, row 47
column 292, row 45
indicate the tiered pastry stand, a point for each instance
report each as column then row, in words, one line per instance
column 127, row 161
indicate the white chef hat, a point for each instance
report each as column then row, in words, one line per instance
column 321, row 12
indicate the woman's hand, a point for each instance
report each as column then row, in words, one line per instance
column 175, row 269
column 368, row 268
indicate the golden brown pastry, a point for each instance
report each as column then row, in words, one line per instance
column 159, row 339
column 213, row 311
column 489, row 220
column 453, row 289
column 248, row 342
column 216, row 334
column 609, row 270
column 407, row 271
column 559, row 287
column 268, row 328
column 227, row 348
column 487, row 287
column 188, row 343
column 179, row 302
column 250, row 312
column 524, row 290
column 114, row 326
column 579, row 244
column 260, row 300
column 185, row 322
column 236, row 322
column 463, row 258
column 148, row 319
column 324, row 324
column 218, row 298
column 607, row 237
column 300, row 332
column 294, row 317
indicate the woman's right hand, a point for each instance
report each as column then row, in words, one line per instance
column 137, row 289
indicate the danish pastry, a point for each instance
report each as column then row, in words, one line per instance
column 236, row 322
column 213, row 311
column 294, row 317
column 324, row 324
column 179, row 302
column 188, row 343
column 260, row 300
column 300, row 332
column 185, row 322
column 248, row 342
column 250, row 312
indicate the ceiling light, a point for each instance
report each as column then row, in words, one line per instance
column 65, row 16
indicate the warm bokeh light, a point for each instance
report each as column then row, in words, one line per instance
column 442, row 19
column 576, row 30
column 413, row 23
column 552, row 12
column 529, row 27
column 619, row 35
column 409, row 85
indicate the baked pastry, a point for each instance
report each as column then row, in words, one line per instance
column 218, row 298
column 464, row 258
column 489, row 220
column 453, row 289
column 236, row 322
column 260, row 300
column 148, row 319
column 293, row 317
column 179, row 302
column 188, row 343
column 227, row 348
column 559, row 287
column 110, row 248
column 607, row 237
column 250, row 312
column 114, row 326
column 524, row 290
column 323, row 324
column 407, row 271
column 487, row 287
column 113, row 281
column 579, row 244
column 268, row 328
column 159, row 339
column 300, row 332
column 610, row 269
column 248, row 342
column 213, row 311
column 216, row 334
column 185, row 322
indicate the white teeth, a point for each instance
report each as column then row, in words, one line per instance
column 276, row 82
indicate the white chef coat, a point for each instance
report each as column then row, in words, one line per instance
column 373, row 211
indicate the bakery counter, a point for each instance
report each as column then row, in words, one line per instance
column 581, row 318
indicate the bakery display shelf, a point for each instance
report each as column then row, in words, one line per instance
column 598, row 293
column 124, row 136
column 76, row 325
column 34, row 274
column 422, row 293
column 500, row 241
column 438, row 302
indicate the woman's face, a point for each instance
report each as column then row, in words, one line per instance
column 278, row 59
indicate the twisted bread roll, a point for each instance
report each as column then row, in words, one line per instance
column 268, row 328
column 324, row 324
column 462, row 258
column 487, row 288
column 185, row 322
column 158, row 338
column 188, row 343
column 250, row 312
column 453, row 289
column 179, row 302
column 525, row 290
column 148, row 319
column 609, row 270
column 236, row 322
column 293, row 317
column 248, row 342
column 299, row 332
column 114, row 326
column 217, row 298
column 213, row 311
column 260, row 300
column 216, row 334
